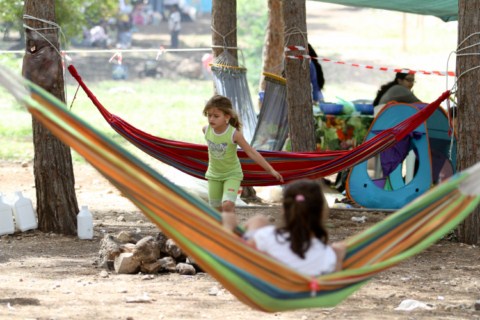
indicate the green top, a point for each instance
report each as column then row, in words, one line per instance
column 223, row 162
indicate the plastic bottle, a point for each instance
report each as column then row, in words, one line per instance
column 25, row 216
column 84, row 224
column 7, row 225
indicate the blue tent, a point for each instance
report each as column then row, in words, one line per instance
column 405, row 171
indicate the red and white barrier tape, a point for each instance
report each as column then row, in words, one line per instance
column 410, row 71
column 117, row 58
column 294, row 48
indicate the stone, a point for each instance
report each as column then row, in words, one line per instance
column 173, row 250
column 109, row 249
column 168, row 264
column 146, row 250
column 162, row 240
column 127, row 247
column 152, row 267
column 125, row 263
column 185, row 269
column 126, row 237
column 476, row 306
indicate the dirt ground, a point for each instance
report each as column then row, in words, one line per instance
column 49, row 276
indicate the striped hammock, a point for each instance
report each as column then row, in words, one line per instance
column 251, row 276
column 193, row 158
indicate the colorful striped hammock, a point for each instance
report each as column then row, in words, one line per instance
column 251, row 276
column 193, row 158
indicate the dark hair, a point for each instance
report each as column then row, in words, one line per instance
column 225, row 105
column 304, row 210
column 388, row 85
column 318, row 67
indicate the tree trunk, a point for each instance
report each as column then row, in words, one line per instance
column 53, row 170
column 297, row 72
column 224, row 26
column 274, row 37
column 468, row 138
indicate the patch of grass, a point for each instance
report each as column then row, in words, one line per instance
column 166, row 108
column 20, row 149
column 163, row 107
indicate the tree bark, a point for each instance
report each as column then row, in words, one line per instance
column 297, row 72
column 53, row 170
column 468, row 137
column 274, row 39
column 224, row 26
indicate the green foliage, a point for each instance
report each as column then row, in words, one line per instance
column 252, row 22
column 74, row 14
column 11, row 10
column 71, row 15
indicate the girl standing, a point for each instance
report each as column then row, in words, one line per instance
column 224, row 173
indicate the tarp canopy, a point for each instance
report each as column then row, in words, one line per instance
column 447, row 10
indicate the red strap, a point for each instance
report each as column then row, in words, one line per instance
column 314, row 287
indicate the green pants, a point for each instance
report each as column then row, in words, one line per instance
column 220, row 191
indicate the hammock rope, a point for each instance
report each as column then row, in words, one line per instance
column 193, row 158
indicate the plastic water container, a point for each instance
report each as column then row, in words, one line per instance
column 25, row 217
column 7, row 225
column 84, row 224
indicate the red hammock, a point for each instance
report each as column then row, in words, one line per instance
column 192, row 158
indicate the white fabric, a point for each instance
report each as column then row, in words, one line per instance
column 97, row 33
column 174, row 21
column 319, row 259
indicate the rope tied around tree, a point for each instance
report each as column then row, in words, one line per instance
column 305, row 58
column 226, row 59
column 54, row 27
column 460, row 52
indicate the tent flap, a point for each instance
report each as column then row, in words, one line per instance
column 447, row 10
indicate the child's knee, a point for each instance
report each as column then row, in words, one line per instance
column 228, row 206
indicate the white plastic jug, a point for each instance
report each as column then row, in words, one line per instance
column 84, row 224
column 7, row 225
column 25, row 216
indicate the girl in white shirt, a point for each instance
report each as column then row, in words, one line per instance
column 301, row 240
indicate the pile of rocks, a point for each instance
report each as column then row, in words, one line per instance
column 130, row 253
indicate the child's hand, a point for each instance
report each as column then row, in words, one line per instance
column 277, row 175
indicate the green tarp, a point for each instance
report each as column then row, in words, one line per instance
column 447, row 10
